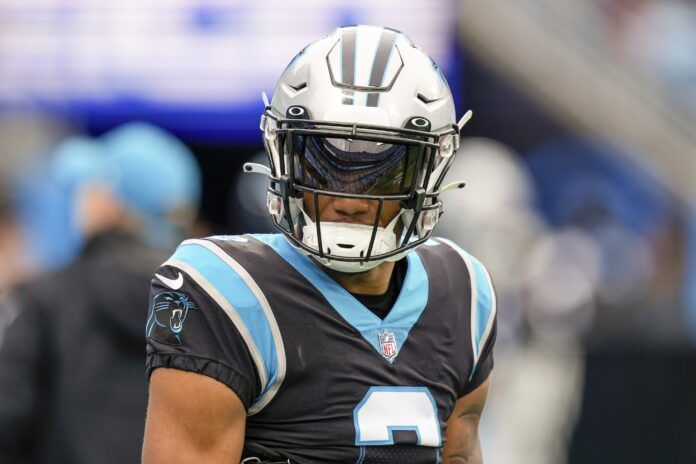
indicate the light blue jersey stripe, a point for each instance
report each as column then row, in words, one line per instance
column 238, row 294
column 484, row 302
column 406, row 311
column 484, row 306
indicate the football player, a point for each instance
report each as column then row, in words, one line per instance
column 351, row 335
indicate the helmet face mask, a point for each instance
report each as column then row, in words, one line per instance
column 356, row 156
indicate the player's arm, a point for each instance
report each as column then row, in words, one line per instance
column 462, row 444
column 192, row 418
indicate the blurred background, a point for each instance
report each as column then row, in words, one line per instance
column 133, row 119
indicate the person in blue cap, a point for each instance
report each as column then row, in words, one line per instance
column 156, row 176
column 72, row 387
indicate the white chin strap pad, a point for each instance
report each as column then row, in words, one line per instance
column 350, row 241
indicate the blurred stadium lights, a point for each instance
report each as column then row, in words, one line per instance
column 196, row 67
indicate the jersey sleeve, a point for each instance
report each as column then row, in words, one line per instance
column 484, row 366
column 484, row 316
column 480, row 327
column 187, row 329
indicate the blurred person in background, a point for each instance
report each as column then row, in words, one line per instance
column 26, row 140
column 591, row 187
column 72, row 387
column 575, row 263
column 629, row 239
column 534, row 401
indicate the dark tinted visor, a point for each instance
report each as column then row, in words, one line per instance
column 354, row 166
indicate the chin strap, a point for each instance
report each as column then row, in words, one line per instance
column 389, row 229
column 349, row 241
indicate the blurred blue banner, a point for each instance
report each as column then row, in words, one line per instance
column 196, row 67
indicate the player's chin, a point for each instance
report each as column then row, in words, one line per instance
column 331, row 270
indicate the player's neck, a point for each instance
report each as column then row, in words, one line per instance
column 373, row 282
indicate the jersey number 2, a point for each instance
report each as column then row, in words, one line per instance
column 386, row 409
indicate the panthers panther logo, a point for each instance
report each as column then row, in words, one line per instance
column 167, row 316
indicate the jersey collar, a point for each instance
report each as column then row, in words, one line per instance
column 406, row 311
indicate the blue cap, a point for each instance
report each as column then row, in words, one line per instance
column 78, row 160
column 151, row 171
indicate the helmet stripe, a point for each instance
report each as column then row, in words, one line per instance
column 348, row 55
column 379, row 65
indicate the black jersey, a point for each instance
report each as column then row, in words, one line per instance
column 322, row 377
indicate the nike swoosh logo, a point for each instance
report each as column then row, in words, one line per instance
column 174, row 284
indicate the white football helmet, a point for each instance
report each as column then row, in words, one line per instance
column 361, row 113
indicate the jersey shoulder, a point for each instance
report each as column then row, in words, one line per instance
column 445, row 256
column 233, row 251
column 479, row 277
column 209, row 275
column 218, row 282
column 483, row 302
column 464, row 275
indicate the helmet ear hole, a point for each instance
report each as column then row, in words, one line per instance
column 418, row 123
column 297, row 112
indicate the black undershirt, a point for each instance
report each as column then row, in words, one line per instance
column 380, row 305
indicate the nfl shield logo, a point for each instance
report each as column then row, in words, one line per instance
column 387, row 343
